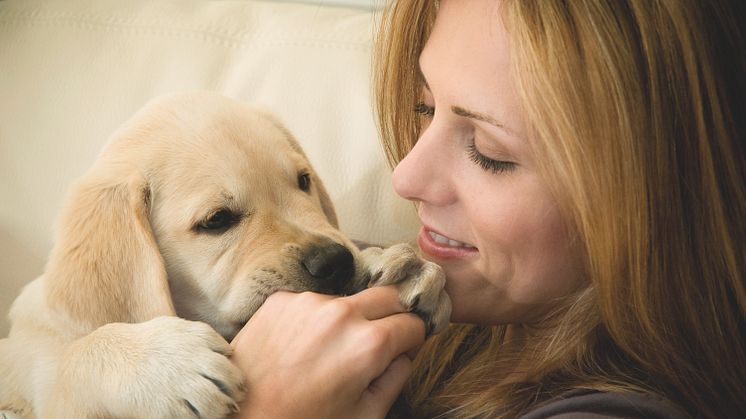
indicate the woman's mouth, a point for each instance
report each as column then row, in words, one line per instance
column 445, row 240
column 442, row 247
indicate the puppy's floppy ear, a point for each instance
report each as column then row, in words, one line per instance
column 326, row 204
column 105, row 266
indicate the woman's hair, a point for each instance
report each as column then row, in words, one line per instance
column 635, row 115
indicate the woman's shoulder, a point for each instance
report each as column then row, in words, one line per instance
column 597, row 405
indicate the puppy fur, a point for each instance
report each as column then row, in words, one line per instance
column 197, row 209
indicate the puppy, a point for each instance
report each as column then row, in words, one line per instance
column 197, row 209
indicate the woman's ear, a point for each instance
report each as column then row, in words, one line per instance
column 105, row 266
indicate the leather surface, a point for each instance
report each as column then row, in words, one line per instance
column 71, row 71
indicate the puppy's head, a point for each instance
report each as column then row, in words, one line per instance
column 234, row 208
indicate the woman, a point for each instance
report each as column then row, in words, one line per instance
column 585, row 162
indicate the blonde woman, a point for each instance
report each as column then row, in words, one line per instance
column 578, row 168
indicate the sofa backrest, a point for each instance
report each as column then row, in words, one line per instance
column 72, row 71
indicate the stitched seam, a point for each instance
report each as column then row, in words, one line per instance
column 201, row 33
column 114, row 20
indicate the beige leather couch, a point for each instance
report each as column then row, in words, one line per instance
column 71, row 71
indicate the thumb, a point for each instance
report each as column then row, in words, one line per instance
column 383, row 391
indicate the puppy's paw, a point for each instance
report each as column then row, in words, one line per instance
column 420, row 282
column 166, row 367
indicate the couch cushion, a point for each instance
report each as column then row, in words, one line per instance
column 72, row 71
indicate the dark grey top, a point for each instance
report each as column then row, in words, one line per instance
column 583, row 404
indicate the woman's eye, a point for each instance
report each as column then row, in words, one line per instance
column 221, row 220
column 486, row 163
column 424, row 110
column 304, row 182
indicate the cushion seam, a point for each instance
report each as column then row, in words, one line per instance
column 206, row 34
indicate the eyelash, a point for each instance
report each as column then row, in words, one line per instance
column 424, row 110
column 486, row 163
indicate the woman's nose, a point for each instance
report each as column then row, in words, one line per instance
column 423, row 175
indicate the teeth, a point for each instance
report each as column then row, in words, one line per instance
column 445, row 240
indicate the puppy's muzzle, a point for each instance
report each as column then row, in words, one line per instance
column 330, row 264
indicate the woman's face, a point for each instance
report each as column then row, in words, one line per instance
column 488, row 217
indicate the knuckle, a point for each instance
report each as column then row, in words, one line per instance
column 310, row 298
column 377, row 339
column 340, row 310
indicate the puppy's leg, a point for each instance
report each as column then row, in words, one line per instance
column 420, row 282
column 163, row 368
column 12, row 404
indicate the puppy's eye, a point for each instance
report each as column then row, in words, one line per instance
column 304, row 182
column 220, row 220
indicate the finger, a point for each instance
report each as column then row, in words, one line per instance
column 383, row 391
column 397, row 334
column 377, row 302
column 272, row 305
column 412, row 353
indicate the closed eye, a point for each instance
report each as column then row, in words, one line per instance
column 424, row 110
column 486, row 163
column 218, row 222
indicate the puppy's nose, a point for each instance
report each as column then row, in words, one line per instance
column 331, row 264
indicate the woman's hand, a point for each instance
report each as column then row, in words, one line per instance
column 313, row 355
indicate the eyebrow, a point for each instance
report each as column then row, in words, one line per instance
column 467, row 113
column 479, row 117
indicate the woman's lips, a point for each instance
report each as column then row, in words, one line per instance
column 442, row 247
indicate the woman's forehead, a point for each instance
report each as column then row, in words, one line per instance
column 466, row 62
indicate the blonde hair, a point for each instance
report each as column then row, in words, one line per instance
column 632, row 115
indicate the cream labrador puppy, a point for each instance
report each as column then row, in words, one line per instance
column 197, row 209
